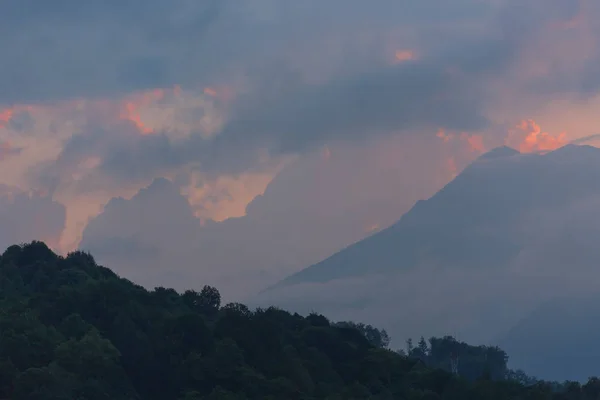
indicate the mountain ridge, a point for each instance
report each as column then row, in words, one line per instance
column 486, row 229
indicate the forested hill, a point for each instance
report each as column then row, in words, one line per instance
column 70, row 329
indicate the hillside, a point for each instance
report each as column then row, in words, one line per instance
column 476, row 221
column 73, row 329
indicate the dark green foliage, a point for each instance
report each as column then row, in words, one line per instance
column 70, row 329
column 378, row 338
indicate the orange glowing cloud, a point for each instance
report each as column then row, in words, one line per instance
column 402, row 56
column 176, row 111
column 457, row 143
column 5, row 116
column 529, row 138
column 475, row 142
column 149, row 111
column 444, row 136
column 130, row 109
column 210, row 91
column 226, row 196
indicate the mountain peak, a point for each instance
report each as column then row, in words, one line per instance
column 498, row 152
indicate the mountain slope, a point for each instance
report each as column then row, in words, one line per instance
column 477, row 220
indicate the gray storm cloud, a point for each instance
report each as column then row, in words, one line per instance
column 73, row 49
column 68, row 49
column 312, row 72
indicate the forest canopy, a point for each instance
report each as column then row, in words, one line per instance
column 71, row 329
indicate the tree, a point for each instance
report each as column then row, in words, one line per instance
column 192, row 395
column 222, row 394
column 422, row 346
column 378, row 338
column 70, row 329
column 47, row 383
column 420, row 352
column 8, row 374
column 592, row 388
column 209, row 300
column 74, row 327
column 94, row 361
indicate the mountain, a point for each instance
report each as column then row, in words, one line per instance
column 506, row 253
column 72, row 329
column 478, row 220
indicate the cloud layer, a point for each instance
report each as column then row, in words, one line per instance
column 98, row 100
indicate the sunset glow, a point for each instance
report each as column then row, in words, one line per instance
column 131, row 108
column 5, row 116
column 402, row 56
column 529, row 138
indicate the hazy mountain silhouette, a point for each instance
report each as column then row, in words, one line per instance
column 474, row 221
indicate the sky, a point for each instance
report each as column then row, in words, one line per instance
column 234, row 142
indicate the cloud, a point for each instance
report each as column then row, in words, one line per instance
column 527, row 137
column 269, row 120
column 29, row 216
column 52, row 54
column 475, row 305
column 6, row 150
column 217, row 96
column 159, row 43
column 281, row 108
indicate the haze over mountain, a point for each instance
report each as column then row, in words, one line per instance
column 479, row 220
column 558, row 340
